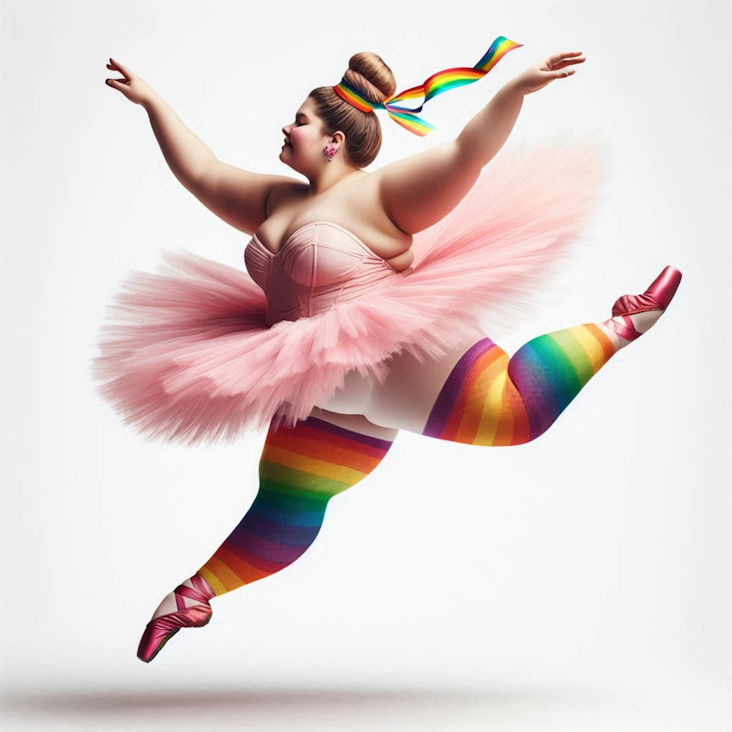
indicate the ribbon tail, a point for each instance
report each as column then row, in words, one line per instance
column 442, row 81
column 411, row 122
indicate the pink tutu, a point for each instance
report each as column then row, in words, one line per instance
column 186, row 353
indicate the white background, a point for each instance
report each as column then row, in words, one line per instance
column 577, row 582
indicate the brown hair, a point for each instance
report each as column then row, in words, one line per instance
column 373, row 79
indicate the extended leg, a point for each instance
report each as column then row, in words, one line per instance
column 301, row 469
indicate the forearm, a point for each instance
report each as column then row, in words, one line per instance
column 486, row 133
column 186, row 154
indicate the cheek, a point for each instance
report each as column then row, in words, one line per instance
column 298, row 136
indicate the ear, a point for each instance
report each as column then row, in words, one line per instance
column 339, row 138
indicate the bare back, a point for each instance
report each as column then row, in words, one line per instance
column 354, row 205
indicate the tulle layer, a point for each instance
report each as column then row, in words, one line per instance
column 186, row 354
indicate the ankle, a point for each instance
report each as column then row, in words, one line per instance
column 606, row 326
column 170, row 603
column 642, row 322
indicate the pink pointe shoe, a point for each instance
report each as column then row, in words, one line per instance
column 656, row 297
column 161, row 629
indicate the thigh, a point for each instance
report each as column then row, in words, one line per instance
column 407, row 396
column 357, row 423
column 355, row 396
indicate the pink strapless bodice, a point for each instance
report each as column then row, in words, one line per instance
column 320, row 264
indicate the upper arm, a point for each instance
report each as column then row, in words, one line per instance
column 420, row 190
column 238, row 196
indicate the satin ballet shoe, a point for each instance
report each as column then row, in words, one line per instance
column 161, row 629
column 657, row 297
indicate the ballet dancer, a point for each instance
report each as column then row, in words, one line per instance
column 203, row 347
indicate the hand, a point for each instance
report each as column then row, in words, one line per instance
column 134, row 87
column 540, row 74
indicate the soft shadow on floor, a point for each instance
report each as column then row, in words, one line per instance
column 79, row 703
column 350, row 708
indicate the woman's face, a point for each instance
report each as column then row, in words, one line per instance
column 304, row 140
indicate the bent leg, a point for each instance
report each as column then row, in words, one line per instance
column 477, row 394
column 491, row 399
column 301, row 469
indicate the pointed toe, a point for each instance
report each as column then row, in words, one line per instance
column 161, row 629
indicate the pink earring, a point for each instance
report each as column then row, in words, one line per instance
column 329, row 152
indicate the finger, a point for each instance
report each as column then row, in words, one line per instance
column 557, row 58
column 117, row 84
column 122, row 69
column 551, row 75
column 568, row 62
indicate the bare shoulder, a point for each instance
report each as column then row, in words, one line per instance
column 365, row 195
column 371, row 221
column 239, row 197
column 418, row 191
column 284, row 192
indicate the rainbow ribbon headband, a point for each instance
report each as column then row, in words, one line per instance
column 436, row 84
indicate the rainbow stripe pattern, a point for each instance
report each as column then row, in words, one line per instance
column 300, row 470
column 489, row 399
column 435, row 84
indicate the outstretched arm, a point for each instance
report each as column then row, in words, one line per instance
column 236, row 196
column 186, row 154
column 486, row 133
column 419, row 191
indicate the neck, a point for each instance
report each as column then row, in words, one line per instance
column 331, row 175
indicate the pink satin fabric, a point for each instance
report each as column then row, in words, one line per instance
column 321, row 264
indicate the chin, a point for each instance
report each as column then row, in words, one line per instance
column 282, row 155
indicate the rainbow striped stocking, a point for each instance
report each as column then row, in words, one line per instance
column 491, row 399
column 301, row 469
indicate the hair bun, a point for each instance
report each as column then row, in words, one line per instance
column 368, row 73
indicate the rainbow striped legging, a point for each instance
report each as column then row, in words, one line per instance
column 487, row 399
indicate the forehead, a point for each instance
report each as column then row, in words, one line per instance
column 307, row 108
